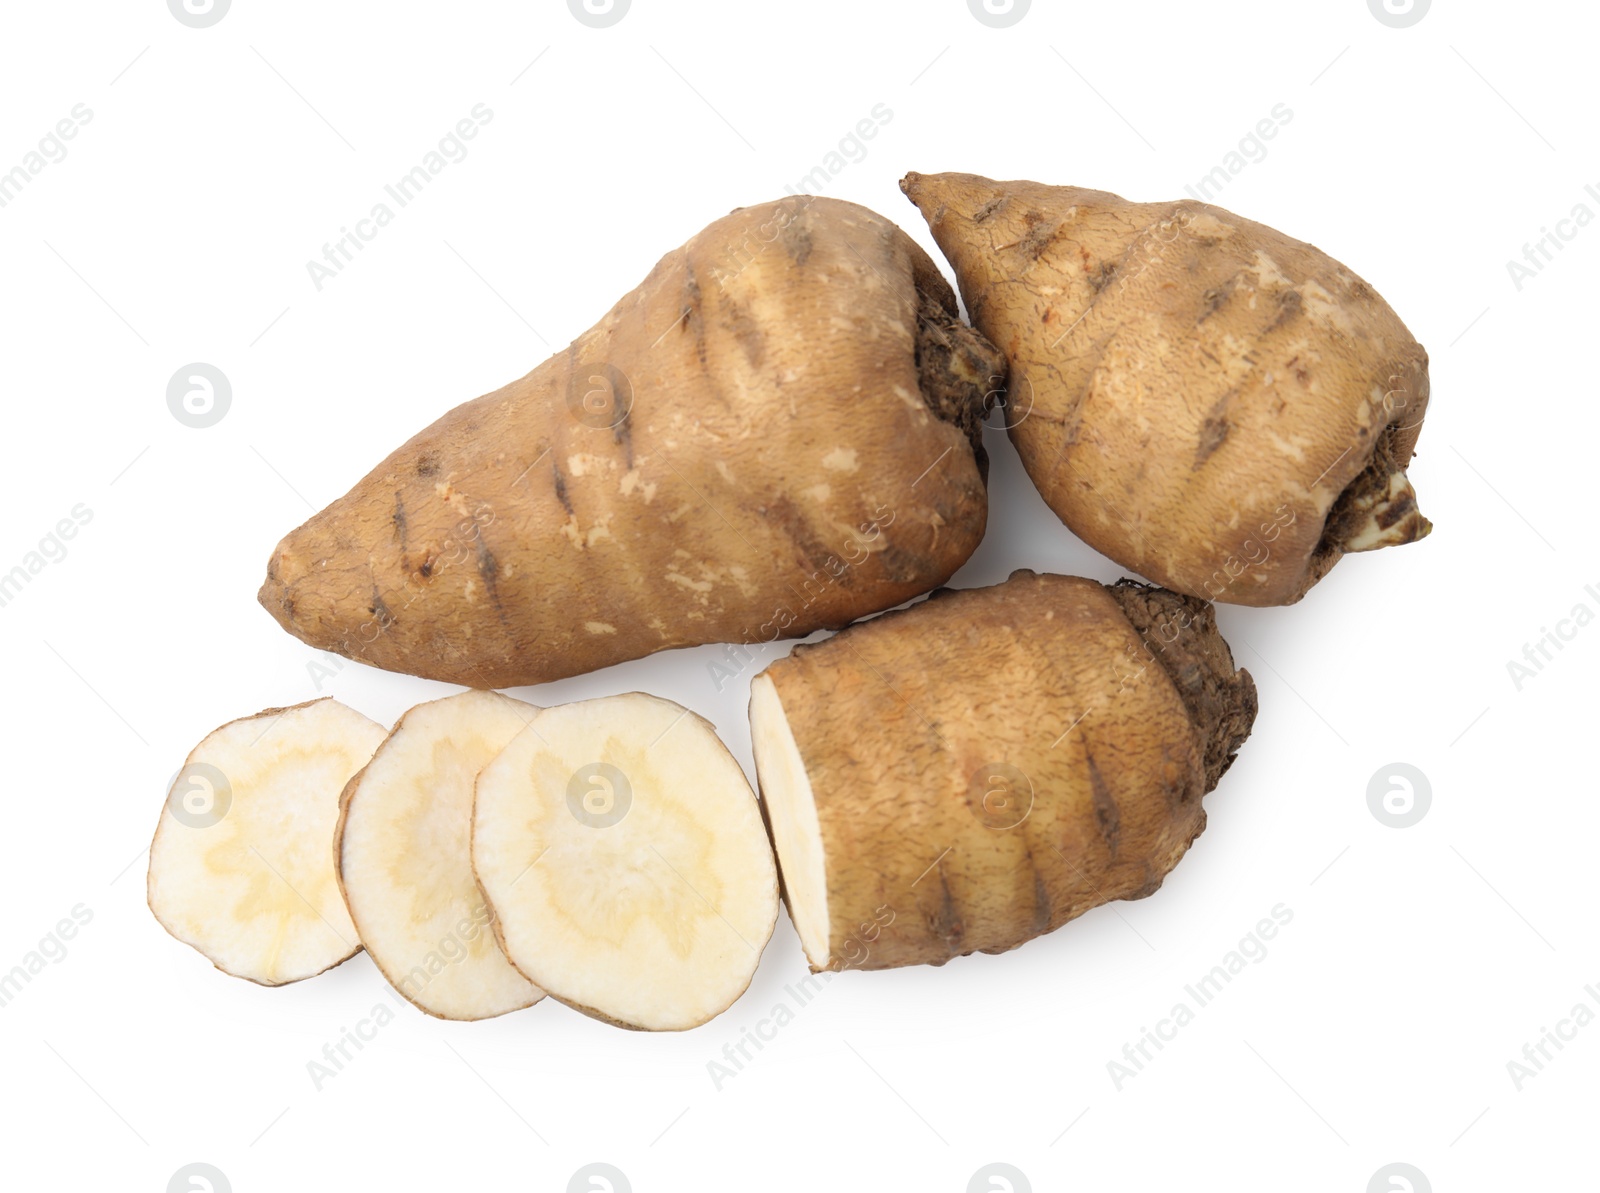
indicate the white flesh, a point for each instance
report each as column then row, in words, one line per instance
column 404, row 853
column 653, row 916
column 792, row 813
column 255, row 890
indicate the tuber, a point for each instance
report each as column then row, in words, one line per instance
column 976, row 770
column 778, row 431
column 1222, row 408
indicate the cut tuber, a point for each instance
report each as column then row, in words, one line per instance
column 976, row 770
column 240, row 867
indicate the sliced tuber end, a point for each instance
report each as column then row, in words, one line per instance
column 789, row 806
column 1377, row 509
column 958, row 371
column 1181, row 632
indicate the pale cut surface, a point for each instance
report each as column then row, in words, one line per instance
column 404, row 854
column 240, row 867
column 792, row 816
column 622, row 850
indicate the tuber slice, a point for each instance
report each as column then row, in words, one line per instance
column 622, row 851
column 240, row 867
column 404, row 855
column 1221, row 407
column 777, row 431
column 977, row 770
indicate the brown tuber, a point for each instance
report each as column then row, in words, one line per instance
column 1223, row 408
column 977, row 770
column 778, row 431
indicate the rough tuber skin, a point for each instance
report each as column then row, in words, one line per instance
column 991, row 763
column 776, row 432
column 1181, row 633
column 1212, row 403
column 959, row 371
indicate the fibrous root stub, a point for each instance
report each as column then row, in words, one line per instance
column 1378, row 508
column 960, row 372
column 1181, row 632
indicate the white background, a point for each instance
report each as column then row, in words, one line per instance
column 177, row 229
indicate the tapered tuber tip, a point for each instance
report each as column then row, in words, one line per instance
column 274, row 598
column 285, row 569
column 962, row 195
column 912, row 187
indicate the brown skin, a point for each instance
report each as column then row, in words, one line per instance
column 1223, row 408
column 906, row 724
column 776, row 432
